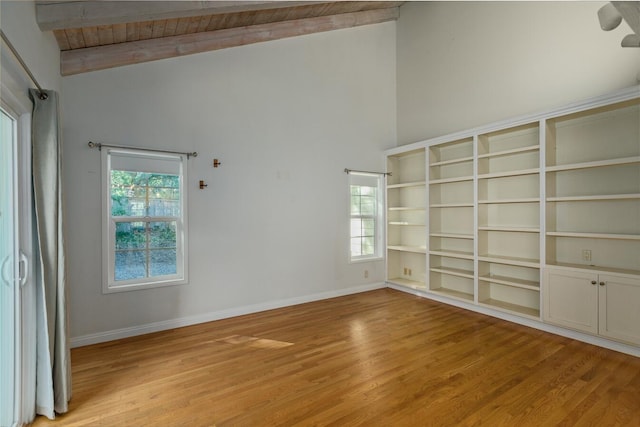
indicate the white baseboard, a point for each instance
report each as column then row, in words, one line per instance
column 164, row 325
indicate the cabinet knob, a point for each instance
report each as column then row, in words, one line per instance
column 601, row 283
column 593, row 282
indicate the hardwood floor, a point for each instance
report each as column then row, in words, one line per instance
column 381, row 358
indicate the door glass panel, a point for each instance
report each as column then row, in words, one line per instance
column 7, row 269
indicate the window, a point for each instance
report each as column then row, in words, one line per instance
column 366, row 208
column 144, row 220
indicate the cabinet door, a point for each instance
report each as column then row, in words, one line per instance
column 571, row 299
column 619, row 310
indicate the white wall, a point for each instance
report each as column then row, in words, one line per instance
column 38, row 50
column 285, row 118
column 465, row 64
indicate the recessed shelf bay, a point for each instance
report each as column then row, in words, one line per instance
column 630, row 196
column 452, row 235
column 501, row 259
column 452, row 161
column 594, row 164
column 531, row 171
column 407, row 184
column 594, row 235
column 416, row 249
column 452, row 254
column 511, row 281
column 509, row 152
column 454, row 271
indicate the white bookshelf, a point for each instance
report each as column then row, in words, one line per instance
column 406, row 219
column 498, row 209
column 593, row 187
column 509, row 220
column 451, row 225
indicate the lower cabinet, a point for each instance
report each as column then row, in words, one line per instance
column 594, row 302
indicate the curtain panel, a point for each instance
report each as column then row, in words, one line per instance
column 53, row 363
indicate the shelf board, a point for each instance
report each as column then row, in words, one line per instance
column 511, row 308
column 511, row 281
column 452, row 161
column 450, row 293
column 413, row 284
column 613, row 236
column 509, row 228
column 595, row 267
column 452, row 254
column 412, row 224
column 407, row 184
column 594, row 164
column 531, row 171
column 452, row 235
column 501, row 259
column 449, row 180
column 414, row 249
column 509, row 152
column 630, row 196
column 453, row 271
column 405, row 208
column 452, row 205
column 521, row 200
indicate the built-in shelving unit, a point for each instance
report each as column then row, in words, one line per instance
column 406, row 219
column 497, row 208
column 593, row 188
column 451, row 226
column 509, row 219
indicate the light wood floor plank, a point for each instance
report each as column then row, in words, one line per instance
column 381, row 358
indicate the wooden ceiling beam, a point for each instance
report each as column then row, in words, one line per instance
column 109, row 56
column 53, row 15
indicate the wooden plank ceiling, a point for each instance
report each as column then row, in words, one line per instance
column 95, row 35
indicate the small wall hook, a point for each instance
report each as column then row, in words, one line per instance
column 216, row 163
column 203, row 185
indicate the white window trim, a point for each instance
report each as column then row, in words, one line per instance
column 380, row 218
column 109, row 285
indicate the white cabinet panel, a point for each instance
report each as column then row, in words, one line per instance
column 571, row 299
column 619, row 308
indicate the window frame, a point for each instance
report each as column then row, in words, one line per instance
column 109, row 284
column 378, row 217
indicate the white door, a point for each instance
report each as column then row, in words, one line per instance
column 9, row 283
column 619, row 308
column 571, row 299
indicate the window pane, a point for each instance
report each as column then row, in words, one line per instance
column 368, row 227
column 163, row 262
column 131, row 235
column 130, row 265
column 368, row 191
column 368, row 245
column 356, row 246
column 368, row 205
column 356, row 227
column 143, row 194
column 162, row 234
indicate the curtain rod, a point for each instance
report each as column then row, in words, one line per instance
column 13, row 50
column 374, row 173
column 99, row 146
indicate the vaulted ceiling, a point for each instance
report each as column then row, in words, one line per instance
column 95, row 35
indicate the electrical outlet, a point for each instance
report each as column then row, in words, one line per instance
column 586, row 255
column 405, row 271
column 409, row 272
column 366, row 274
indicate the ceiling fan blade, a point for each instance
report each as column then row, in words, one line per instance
column 631, row 40
column 609, row 17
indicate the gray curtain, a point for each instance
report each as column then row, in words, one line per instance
column 53, row 363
